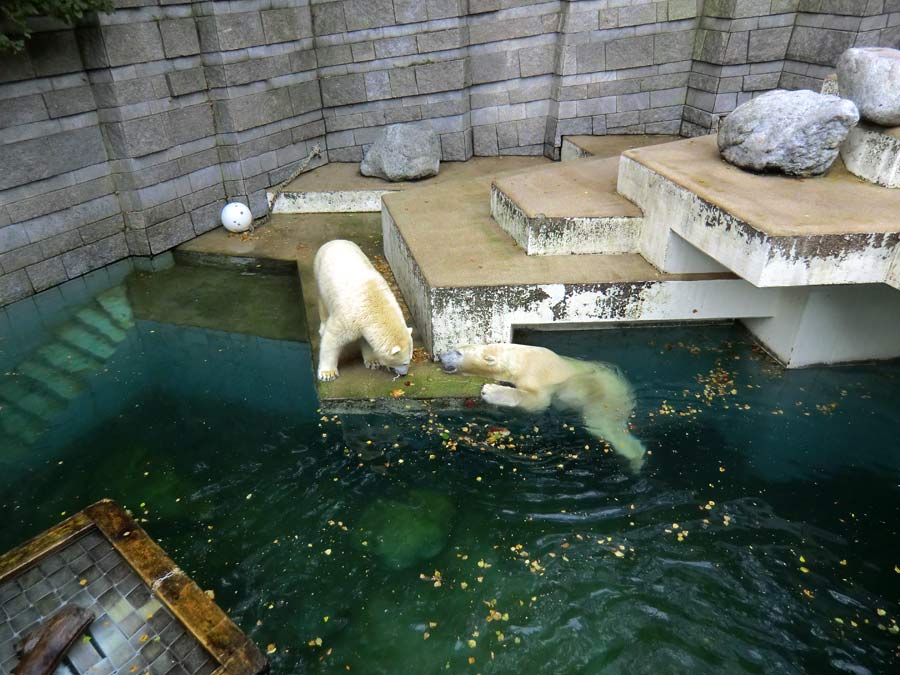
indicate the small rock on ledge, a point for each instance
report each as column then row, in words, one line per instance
column 403, row 152
column 870, row 77
column 795, row 132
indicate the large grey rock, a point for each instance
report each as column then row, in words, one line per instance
column 403, row 152
column 796, row 132
column 870, row 77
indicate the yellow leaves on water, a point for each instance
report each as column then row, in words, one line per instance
column 463, row 585
column 209, row 593
column 472, row 644
column 83, row 582
column 315, row 642
column 426, row 635
column 805, row 570
column 880, row 612
column 809, row 594
column 482, row 563
column 271, row 648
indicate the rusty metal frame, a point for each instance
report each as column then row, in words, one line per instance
column 201, row 617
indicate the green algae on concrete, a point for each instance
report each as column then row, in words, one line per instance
column 207, row 297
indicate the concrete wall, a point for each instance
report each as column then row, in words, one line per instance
column 126, row 135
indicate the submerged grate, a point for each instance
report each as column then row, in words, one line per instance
column 137, row 630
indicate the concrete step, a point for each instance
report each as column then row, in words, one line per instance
column 339, row 187
column 87, row 341
column 67, row 358
column 115, row 302
column 873, row 153
column 467, row 281
column 32, row 402
column 101, row 322
column 59, row 382
column 567, row 208
column 20, row 425
column 577, row 147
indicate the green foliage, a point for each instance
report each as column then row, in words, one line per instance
column 15, row 13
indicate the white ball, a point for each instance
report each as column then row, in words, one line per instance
column 236, row 217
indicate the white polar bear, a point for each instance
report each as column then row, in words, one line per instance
column 541, row 377
column 356, row 303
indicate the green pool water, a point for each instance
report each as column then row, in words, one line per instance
column 433, row 542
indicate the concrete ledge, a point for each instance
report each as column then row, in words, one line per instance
column 771, row 230
column 613, row 145
column 873, row 153
column 542, row 235
column 465, row 281
column 567, row 208
column 343, row 201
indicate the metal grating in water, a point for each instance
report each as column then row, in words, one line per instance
column 133, row 633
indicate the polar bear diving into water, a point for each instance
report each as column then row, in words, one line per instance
column 356, row 304
column 541, row 377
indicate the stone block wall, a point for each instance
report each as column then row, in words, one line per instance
column 744, row 47
column 126, row 135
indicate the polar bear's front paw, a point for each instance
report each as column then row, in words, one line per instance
column 497, row 394
column 372, row 364
column 328, row 375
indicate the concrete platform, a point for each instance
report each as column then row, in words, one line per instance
column 567, row 208
column 466, row 280
column 577, row 147
column 295, row 239
column 873, row 153
column 339, row 187
column 771, row 230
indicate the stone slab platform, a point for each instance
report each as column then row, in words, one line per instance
column 295, row 239
column 575, row 147
column 339, row 187
column 467, row 280
column 770, row 229
column 567, row 207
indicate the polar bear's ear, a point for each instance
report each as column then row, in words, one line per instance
column 395, row 350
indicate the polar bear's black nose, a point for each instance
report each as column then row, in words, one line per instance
column 451, row 361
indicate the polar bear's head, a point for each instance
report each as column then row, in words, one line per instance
column 484, row 360
column 396, row 353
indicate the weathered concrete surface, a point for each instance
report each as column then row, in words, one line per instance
column 771, row 230
column 295, row 239
column 613, row 145
column 339, row 187
column 567, row 208
column 832, row 324
column 795, row 132
column 873, row 153
column 870, row 77
column 469, row 282
column 403, row 152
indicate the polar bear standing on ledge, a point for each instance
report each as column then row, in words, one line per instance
column 541, row 377
column 356, row 303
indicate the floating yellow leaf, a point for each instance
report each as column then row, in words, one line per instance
column 880, row 612
column 327, row 551
column 472, row 644
column 805, row 570
column 271, row 648
column 426, row 635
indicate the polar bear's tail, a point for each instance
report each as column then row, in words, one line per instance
column 606, row 400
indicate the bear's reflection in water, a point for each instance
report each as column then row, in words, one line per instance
column 540, row 378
